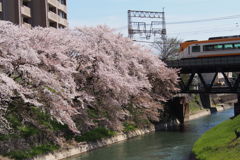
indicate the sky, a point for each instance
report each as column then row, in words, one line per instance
column 114, row 14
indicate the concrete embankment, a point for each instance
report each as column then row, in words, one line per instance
column 209, row 111
column 77, row 149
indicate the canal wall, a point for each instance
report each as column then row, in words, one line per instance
column 79, row 148
column 75, row 150
column 206, row 112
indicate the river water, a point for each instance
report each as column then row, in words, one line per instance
column 169, row 145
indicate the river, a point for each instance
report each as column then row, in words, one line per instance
column 169, row 145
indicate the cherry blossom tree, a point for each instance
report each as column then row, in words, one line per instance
column 61, row 71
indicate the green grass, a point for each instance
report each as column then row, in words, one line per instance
column 41, row 123
column 24, row 130
column 46, row 120
column 219, row 143
column 27, row 130
column 4, row 137
column 30, row 153
column 129, row 127
column 96, row 114
column 95, row 134
column 194, row 106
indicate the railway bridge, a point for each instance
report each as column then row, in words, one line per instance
column 206, row 71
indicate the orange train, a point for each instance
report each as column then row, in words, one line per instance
column 214, row 47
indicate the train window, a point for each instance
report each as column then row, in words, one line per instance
column 218, row 47
column 237, row 45
column 228, row 46
column 195, row 48
column 208, row 48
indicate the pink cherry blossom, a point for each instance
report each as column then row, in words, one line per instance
column 52, row 69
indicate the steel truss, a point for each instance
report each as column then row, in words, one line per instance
column 231, row 85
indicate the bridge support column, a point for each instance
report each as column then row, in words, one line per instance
column 179, row 108
column 237, row 107
column 205, row 100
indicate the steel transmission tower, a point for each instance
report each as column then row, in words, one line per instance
column 147, row 26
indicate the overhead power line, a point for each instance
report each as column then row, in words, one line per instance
column 206, row 20
column 211, row 30
column 193, row 21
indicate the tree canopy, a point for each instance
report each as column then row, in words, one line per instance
column 63, row 71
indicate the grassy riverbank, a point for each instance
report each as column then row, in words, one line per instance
column 195, row 104
column 220, row 142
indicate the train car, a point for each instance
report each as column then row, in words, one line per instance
column 213, row 47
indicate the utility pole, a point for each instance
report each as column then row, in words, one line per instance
column 164, row 33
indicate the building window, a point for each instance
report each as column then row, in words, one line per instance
column 52, row 24
column 26, row 3
column 62, row 14
column 52, row 8
column 62, row 2
column 26, row 20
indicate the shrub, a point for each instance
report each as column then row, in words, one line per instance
column 95, row 134
column 129, row 127
column 27, row 154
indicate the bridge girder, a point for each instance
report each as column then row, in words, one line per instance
column 215, row 65
column 231, row 86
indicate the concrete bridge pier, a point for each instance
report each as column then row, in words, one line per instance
column 237, row 106
column 179, row 108
column 205, row 100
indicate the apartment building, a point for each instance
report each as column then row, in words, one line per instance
column 0, row 9
column 45, row 13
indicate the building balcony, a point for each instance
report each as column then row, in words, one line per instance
column 54, row 3
column 62, row 7
column 53, row 16
column 0, row 6
column 62, row 21
column 27, row 25
column 58, row 5
column 26, row 11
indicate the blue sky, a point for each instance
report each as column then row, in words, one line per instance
column 114, row 14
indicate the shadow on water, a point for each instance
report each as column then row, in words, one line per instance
column 164, row 145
